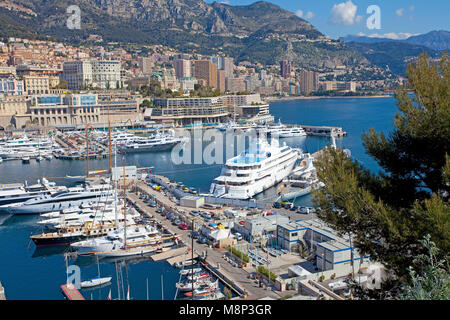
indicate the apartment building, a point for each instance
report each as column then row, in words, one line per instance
column 341, row 86
column 207, row 71
column 183, row 68
column 104, row 74
column 36, row 85
column 309, row 81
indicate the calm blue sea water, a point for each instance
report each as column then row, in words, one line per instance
column 27, row 274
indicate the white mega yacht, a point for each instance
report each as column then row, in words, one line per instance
column 250, row 173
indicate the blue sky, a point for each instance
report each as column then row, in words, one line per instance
column 336, row 18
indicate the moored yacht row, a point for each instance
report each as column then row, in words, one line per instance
column 126, row 142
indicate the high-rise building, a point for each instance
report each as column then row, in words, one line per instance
column 224, row 63
column 183, row 68
column 285, row 68
column 206, row 70
column 145, row 65
column 235, row 85
column 309, row 81
column 221, row 80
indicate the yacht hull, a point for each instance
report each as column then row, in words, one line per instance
column 149, row 148
column 47, row 207
column 262, row 185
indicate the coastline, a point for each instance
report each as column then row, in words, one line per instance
column 274, row 99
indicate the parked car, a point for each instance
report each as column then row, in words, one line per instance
column 304, row 210
column 183, row 226
column 238, row 236
column 203, row 240
column 277, row 205
column 294, row 208
column 159, row 210
column 194, row 213
column 288, row 205
column 195, row 235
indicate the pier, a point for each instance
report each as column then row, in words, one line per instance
column 71, row 293
column 2, row 292
column 225, row 278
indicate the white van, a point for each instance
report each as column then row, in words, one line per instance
column 230, row 213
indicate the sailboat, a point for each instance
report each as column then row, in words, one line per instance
column 131, row 241
column 97, row 281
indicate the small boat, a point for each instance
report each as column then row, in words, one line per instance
column 190, row 271
column 199, row 284
column 1, row 160
column 184, row 263
column 209, row 290
column 26, row 159
column 95, row 282
column 39, row 158
column 49, row 157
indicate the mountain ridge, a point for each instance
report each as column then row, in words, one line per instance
column 436, row 39
column 260, row 32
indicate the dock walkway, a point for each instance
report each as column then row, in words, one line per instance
column 168, row 254
column 70, row 292
column 180, row 258
column 237, row 278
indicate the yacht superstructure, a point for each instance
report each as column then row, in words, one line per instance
column 73, row 197
column 17, row 192
column 250, row 173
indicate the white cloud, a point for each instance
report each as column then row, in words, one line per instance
column 411, row 8
column 358, row 19
column 343, row 13
column 399, row 12
column 299, row 13
column 391, row 35
column 309, row 15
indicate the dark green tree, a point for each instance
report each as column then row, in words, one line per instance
column 390, row 212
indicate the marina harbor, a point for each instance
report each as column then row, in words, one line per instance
column 209, row 157
column 223, row 243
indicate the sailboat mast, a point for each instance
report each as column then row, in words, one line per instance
column 109, row 133
column 125, row 208
column 87, row 152
column 192, row 258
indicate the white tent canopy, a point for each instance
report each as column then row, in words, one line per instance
column 220, row 234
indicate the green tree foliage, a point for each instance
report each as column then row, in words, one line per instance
column 269, row 274
column 390, row 212
column 240, row 255
column 146, row 104
column 433, row 283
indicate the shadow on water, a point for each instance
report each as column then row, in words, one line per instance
column 89, row 260
column 96, row 287
column 4, row 218
column 40, row 252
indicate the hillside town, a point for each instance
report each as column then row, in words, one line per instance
column 39, row 81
